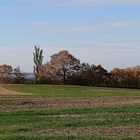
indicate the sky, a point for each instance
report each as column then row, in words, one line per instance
column 105, row 32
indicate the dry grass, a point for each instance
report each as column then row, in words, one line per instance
column 116, row 131
column 61, row 103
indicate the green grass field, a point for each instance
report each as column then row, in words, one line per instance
column 73, row 91
column 45, row 112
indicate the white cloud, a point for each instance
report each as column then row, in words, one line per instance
column 125, row 24
column 53, row 28
column 45, row 27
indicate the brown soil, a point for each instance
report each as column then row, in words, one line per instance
column 61, row 103
column 124, row 131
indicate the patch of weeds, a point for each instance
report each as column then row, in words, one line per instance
column 26, row 103
column 23, row 130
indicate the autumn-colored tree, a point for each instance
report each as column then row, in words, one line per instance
column 132, row 77
column 6, row 73
column 62, row 66
column 38, row 60
column 136, row 75
column 128, row 77
column 50, row 74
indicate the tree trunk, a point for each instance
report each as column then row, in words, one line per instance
column 64, row 77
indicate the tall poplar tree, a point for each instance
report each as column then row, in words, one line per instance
column 38, row 60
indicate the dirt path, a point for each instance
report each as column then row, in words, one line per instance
column 4, row 91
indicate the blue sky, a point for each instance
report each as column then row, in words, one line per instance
column 103, row 32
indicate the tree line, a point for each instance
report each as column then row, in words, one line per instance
column 65, row 68
column 9, row 75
